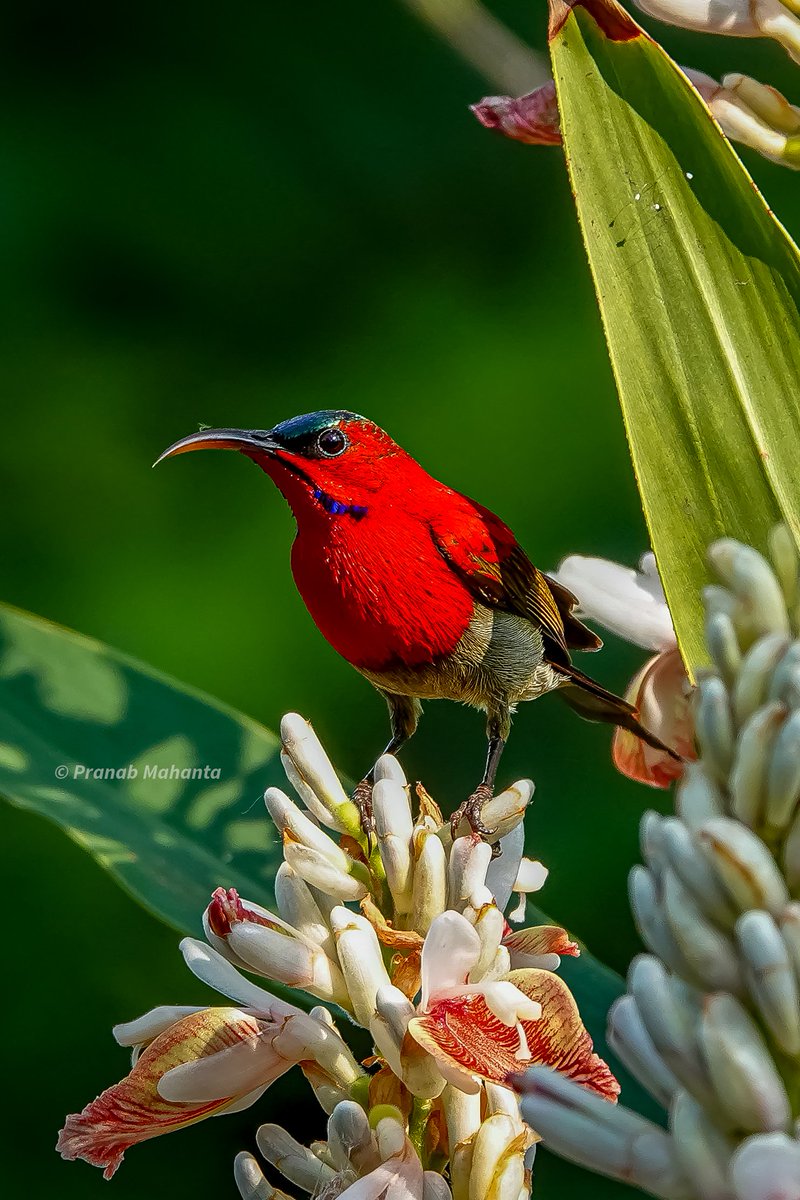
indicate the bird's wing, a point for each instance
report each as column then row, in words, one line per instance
column 484, row 552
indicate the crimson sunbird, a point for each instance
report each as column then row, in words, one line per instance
column 425, row 592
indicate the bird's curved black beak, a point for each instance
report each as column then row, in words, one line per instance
column 248, row 441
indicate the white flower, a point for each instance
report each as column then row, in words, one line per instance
column 194, row 1063
column 632, row 605
column 738, row 18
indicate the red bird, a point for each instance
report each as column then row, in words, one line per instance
column 425, row 592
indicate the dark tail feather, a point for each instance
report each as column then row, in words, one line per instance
column 594, row 703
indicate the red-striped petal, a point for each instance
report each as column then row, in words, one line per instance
column 132, row 1110
column 462, row 1033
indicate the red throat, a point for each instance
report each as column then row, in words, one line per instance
column 364, row 560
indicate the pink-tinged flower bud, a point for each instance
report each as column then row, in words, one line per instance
column 266, row 945
column 200, row 1066
column 532, row 118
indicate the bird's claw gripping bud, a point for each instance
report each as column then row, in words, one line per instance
column 471, row 811
column 362, row 798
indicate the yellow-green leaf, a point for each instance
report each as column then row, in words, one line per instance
column 699, row 289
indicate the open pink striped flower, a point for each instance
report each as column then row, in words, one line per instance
column 632, row 605
column 191, row 1063
column 483, row 1030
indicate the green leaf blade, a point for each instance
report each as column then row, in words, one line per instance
column 68, row 704
column 699, row 292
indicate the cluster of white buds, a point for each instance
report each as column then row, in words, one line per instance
column 408, row 938
column 382, row 1153
column 710, row 1024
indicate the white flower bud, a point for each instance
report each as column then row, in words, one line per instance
column 633, row 1045
column 701, row 1149
column 305, row 1037
column 767, row 1168
column 601, row 1136
column 783, row 777
column 698, row 797
column 312, row 776
column 721, row 639
column 319, row 872
column 409, row 1061
column 290, row 960
column 711, row 955
column 773, row 983
column 489, row 925
column 748, row 777
column 293, row 1160
column 391, row 1138
column 671, row 1025
column 350, row 1138
column 469, row 861
column 394, row 828
column 790, row 858
column 388, row 767
column 743, row 865
column 754, row 678
column 435, row 1187
column 761, row 608
column 462, row 1112
column 714, row 727
column 249, row 1179
column 430, row 882
column 361, row 961
column 298, row 908
column 691, row 867
column 293, row 823
column 490, row 1154
column 648, row 913
column 746, row 1082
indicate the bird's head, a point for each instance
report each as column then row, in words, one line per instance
column 333, row 461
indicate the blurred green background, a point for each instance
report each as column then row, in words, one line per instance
column 232, row 215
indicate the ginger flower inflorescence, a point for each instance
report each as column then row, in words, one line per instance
column 710, row 1023
column 408, row 937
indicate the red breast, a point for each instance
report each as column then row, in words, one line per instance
column 374, row 582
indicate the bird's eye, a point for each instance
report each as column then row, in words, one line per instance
column 332, row 442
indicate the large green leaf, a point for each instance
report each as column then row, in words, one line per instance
column 699, row 290
column 69, row 702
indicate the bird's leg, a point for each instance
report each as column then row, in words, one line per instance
column 404, row 712
column 497, row 730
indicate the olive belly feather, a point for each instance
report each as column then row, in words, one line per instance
column 499, row 659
